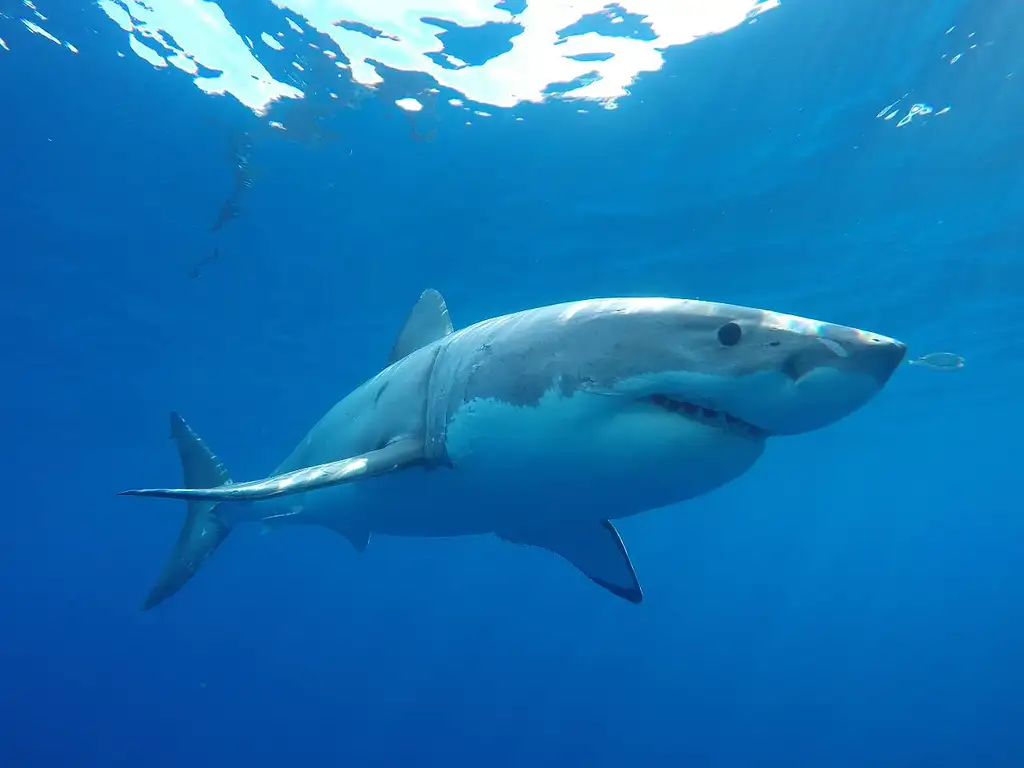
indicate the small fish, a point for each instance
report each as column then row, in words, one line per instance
column 939, row 361
column 209, row 259
column 228, row 212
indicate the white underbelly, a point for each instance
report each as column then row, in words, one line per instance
column 568, row 459
column 586, row 457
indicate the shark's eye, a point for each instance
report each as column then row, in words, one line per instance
column 729, row 334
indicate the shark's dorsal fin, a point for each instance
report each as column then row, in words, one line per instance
column 427, row 322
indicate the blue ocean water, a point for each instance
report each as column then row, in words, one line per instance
column 247, row 257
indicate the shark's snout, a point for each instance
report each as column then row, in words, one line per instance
column 880, row 357
column 854, row 351
column 833, row 372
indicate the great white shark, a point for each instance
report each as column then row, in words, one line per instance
column 542, row 427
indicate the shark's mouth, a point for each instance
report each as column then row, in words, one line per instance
column 709, row 416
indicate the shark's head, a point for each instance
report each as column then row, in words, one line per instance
column 631, row 404
column 769, row 373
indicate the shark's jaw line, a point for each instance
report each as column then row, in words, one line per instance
column 708, row 416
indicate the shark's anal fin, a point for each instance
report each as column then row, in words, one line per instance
column 594, row 548
column 358, row 535
column 400, row 454
column 203, row 531
column 427, row 322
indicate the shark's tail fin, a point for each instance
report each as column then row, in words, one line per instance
column 203, row 531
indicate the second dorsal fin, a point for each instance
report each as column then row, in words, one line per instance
column 427, row 322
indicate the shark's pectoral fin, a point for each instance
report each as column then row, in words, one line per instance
column 357, row 534
column 594, row 548
column 427, row 322
column 399, row 454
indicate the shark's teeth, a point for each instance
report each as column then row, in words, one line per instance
column 707, row 415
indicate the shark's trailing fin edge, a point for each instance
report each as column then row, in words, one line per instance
column 427, row 322
column 199, row 466
column 400, row 454
column 357, row 535
column 202, row 532
column 596, row 549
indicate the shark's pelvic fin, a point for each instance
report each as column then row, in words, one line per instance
column 596, row 549
column 357, row 534
column 400, row 454
column 202, row 532
column 427, row 322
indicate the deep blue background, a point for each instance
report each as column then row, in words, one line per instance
column 854, row 600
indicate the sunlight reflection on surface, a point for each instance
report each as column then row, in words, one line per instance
column 587, row 50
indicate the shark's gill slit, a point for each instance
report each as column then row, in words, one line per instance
column 707, row 415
